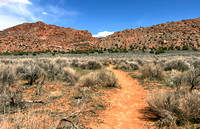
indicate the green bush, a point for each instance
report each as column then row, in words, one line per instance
column 185, row 48
column 152, row 52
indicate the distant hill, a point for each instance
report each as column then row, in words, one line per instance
column 39, row 36
column 182, row 33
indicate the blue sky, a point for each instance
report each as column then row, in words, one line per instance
column 100, row 17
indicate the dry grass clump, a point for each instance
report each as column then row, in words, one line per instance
column 69, row 75
column 28, row 120
column 103, row 78
column 179, row 65
column 174, row 108
column 152, row 72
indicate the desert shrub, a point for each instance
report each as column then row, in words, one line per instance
column 10, row 98
column 88, row 80
column 127, row 66
column 177, row 79
column 53, row 71
column 106, row 62
column 103, row 78
column 196, row 64
column 94, row 65
column 75, row 63
column 174, row 108
column 61, row 62
column 192, row 78
column 69, row 75
column 28, row 61
column 29, row 72
column 176, row 64
column 185, row 48
column 10, row 95
column 140, row 62
column 114, row 62
column 152, row 52
column 7, row 75
column 106, row 78
column 191, row 107
column 51, row 68
column 83, row 66
column 164, row 108
column 134, row 66
column 152, row 72
column 5, row 61
column 123, row 66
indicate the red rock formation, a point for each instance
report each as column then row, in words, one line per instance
column 185, row 32
column 40, row 36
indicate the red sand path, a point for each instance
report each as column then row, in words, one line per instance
column 125, row 103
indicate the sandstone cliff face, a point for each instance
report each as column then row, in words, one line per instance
column 185, row 32
column 40, row 36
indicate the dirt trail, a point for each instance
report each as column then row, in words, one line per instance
column 125, row 103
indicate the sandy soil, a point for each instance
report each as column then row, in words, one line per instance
column 125, row 105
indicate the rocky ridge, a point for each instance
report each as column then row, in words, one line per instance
column 40, row 36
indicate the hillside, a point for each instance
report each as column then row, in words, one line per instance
column 40, row 36
column 170, row 35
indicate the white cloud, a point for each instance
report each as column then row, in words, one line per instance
column 103, row 34
column 44, row 13
column 5, row 2
column 9, row 21
column 14, row 12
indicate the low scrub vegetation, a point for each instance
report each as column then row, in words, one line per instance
column 10, row 94
column 102, row 78
column 177, row 65
column 106, row 78
column 127, row 66
column 152, row 71
column 69, row 75
column 192, row 78
column 64, row 85
column 30, row 72
column 174, row 108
